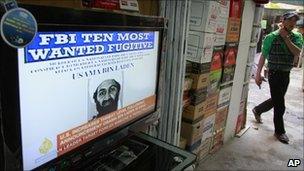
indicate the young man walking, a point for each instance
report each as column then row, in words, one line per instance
column 281, row 48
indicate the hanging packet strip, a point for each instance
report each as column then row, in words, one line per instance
column 18, row 25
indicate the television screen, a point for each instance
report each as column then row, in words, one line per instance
column 75, row 86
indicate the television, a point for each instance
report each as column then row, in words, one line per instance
column 87, row 76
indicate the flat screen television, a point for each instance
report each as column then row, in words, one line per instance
column 86, row 76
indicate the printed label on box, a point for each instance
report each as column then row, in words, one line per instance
column 214, row 80
column 233, row 30
column 224, row 97
column 208, row 125
column 221, row 25
column 199, row 55
column 220, row 118
column 224, row 6
column 203, row 15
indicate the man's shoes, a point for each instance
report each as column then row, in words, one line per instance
column 257, row 116
column 282, row 137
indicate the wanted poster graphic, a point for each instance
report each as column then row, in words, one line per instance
column 76, row 86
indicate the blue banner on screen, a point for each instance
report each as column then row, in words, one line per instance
column 52, row 45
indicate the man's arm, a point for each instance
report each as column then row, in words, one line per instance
column 258, row 77
column 295, row 50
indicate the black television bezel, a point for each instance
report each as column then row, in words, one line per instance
column 68, row 19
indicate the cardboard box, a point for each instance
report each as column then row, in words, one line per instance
column 224, row 96
column 201, row 40
column 219, row 39
column 186, row 99
column 224, row 6
column 220, row 118
column 214, row 80
column 199, row 55
column 233, row 30
column 218, row 141
column 188, row 67
column 194, row 147
column 208, row 127
column 221, row 25
column 211, row 104
column 199, row 81
column 182, row 142
column 198, row 68
column 200, row 46
column 187, row 84
column 192, row 114
column 198, row 96
column 186, row 102
column 204, row 148
column 203, row 15
column 192, row 132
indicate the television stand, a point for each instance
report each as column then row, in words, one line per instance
column 143, row 152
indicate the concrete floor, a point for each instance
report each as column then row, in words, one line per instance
column 257, row 149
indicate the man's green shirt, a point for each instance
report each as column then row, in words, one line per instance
column 298, row 41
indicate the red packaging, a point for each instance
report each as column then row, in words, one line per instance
column 107, row 4
column 217, row 58
column 236, row 7
column 230, row 54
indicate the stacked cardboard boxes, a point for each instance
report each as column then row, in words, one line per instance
column 212, row 63
column 228, row 67
column 203, row 25
column 192, row 118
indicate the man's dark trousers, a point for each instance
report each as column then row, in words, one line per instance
column 278, row 83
